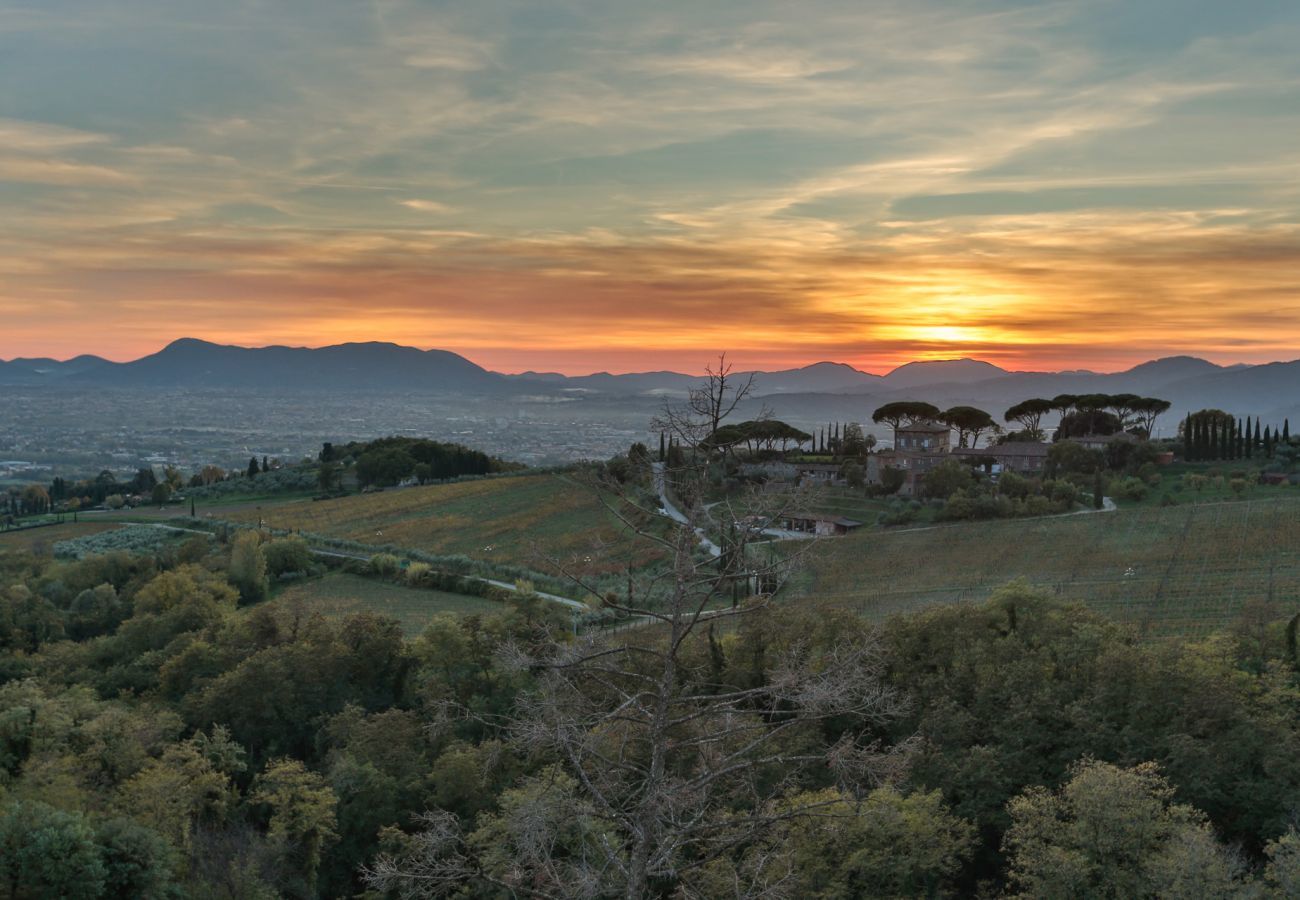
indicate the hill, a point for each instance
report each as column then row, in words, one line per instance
column 1182, row 570
column 369, row 366
column 530, row 521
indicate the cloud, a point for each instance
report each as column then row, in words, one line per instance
column 430, row 206
column 865, row 181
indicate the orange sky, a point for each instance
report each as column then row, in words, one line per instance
column 600, row 187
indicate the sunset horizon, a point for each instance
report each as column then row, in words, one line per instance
column 601, row 187
column 689, row 362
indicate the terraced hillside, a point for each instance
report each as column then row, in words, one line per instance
column 523, row 520
column 1182, row 570
column 339, row 595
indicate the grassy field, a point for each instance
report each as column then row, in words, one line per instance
column 1182, row 570
column 44, row 538
column 338, row 595
column 521, row 520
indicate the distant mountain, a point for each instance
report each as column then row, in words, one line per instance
column 358, row 367
column 45, row 371
column 941, row 371
column 822, row 377
column 804, row 396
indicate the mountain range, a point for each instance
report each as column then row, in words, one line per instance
column 815, row 392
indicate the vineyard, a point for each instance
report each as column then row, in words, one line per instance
column 336, row 596
column 43, row 539
column 1183, row 570
column 523, row 520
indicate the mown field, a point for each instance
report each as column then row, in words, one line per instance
column 524, row 520
column 44, row 538
column 1181, row 570
column 338, row 595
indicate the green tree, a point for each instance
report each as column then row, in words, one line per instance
column 288, row 554
column 252, row 467
column 327, row 475
column 1115, row 833
column 46, row 853
column 1029, row 413
column 303, row 813
column 969, row 422
column 946, row 479
column 248, row 566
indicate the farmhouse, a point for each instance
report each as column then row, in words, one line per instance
column 1102, row 441
column 925, row 437
column 819, row 474
column 1015, row 456
column 818, row 523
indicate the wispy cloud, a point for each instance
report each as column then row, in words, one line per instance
column 862, row 180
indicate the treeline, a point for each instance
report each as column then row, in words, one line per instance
column 1212, row 434
column 163, row 733
column 391, row 460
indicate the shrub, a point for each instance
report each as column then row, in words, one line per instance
column 285, row 555
column 385, row 565
column 1129, row 488
column 417, row 573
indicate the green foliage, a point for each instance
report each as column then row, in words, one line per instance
column 141, row 540
column 48, row 853
column 248, row 566
column 286, row 555
column 1112, row 832
column 303, row 816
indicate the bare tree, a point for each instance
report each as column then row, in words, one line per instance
column 720, row 394
column 661, row 762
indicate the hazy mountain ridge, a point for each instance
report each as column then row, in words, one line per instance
column 810, row 393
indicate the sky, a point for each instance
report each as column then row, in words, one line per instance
column 604, row 185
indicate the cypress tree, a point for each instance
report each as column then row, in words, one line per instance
column 1268, row 442
column 663, row 452
column 1189, row 445
column 1247, row 442
column 1286, row 431
column 1258, row 442
column 1241, row 441
column 1223, row 440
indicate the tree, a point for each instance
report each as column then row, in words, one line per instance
column 1029, row 413
column 283, row 555
column 715, row 400
column 326, row 476
column 946, row 479
column 855, row 443
column 969, row 422
column 1145, row 411
column 162, row 492
column 45, row 852
column 904, row 412
column 252, row 467
column 303, row 813
column 1112, row 832
column 211, row 474
column 35, row 500
column 1086, row 422
column 885, row 844
column 248, row 566
column 1065, row 403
